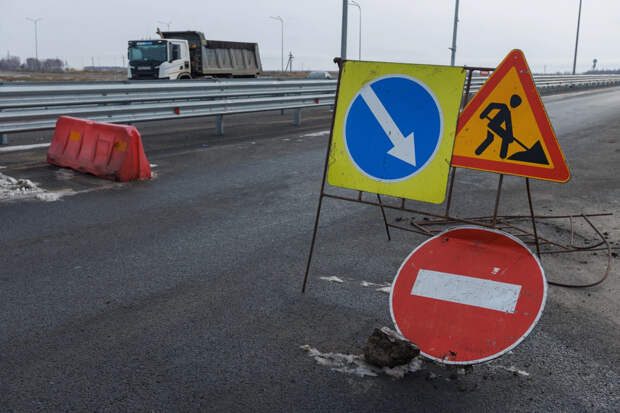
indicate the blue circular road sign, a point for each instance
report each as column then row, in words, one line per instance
column 393, row 128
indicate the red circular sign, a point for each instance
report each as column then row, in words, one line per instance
column 468, row 295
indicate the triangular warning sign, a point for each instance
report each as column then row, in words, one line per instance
column 505, row 127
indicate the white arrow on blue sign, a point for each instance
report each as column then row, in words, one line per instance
column 393, row 128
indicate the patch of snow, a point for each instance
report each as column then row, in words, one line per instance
column 2, row 167
column 320, row 133
column 343, row 363
column 333, row 279
column 16, row 148
column 514, row 370
column 383, row 287
column 153, row 165
column 11, row 188
column 21, row 189
column 400, row 371
column 356, row 365
column 54, row 195
column 64, row 174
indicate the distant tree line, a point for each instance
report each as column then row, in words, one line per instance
column 31, row 64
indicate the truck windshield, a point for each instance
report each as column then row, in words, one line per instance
column 148, row 53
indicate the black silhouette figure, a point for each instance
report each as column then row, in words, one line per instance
column 501, row 125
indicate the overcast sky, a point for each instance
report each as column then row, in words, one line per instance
column 392, row 30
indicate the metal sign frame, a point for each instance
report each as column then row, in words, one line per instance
column 506, row 223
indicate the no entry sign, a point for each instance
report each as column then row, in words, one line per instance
column 468, row 295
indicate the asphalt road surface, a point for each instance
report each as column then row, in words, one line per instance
column 182, row 293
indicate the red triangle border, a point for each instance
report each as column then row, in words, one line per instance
column 560, row 172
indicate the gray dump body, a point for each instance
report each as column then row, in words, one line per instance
column 218, row 57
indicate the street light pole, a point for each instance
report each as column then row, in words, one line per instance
column 281, row 20
column 456, row 22
column 36, row 39
column 356, row 4
column 577, row 39
column 343, row 38
column 166, row 23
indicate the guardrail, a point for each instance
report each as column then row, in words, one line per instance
column 551, row 83
column 27, row 107
column 36, row 106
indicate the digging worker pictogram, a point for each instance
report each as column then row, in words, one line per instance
column 500, row 125
column 505, row 128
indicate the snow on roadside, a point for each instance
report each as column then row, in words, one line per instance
column 333, row 279
column 313, row 134
column 21, row 189
column 356, row 365
column 383, row 287
column 512, row 369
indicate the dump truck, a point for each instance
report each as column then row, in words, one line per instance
column 188, row 55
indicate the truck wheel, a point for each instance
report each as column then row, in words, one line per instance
column 184, row 77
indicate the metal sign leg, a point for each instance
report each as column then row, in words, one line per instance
column 529, row 200
column 316, row 226
column 452, row 176
column 499, row 191
column 387, row 228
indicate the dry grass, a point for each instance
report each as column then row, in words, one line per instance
column 84, row 76
column 70, row 76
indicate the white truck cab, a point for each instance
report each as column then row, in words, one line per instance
column 159, row 59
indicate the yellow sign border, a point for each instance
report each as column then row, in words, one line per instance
column 429, row 184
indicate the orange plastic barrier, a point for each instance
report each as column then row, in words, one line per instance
column 102, row 149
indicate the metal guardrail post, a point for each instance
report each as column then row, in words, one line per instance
column 297, row 120
column 219, row 125
column 4, row 139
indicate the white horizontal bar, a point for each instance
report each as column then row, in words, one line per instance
column 461, row 289
column 16, row 148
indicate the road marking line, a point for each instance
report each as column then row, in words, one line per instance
column 461, row 289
